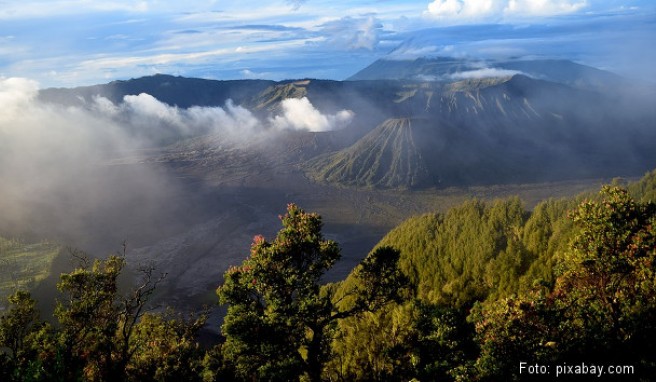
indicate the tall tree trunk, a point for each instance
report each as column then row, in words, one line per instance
column 314, row 362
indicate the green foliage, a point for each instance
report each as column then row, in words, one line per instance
column 612, row 283
column 89, row 318
column 280, row 320
column 644, row 190
column 463, row 296
column 373, row 346
column 473, row 250
column 515, row 330
column 215, row 367
column 166, row 349
column 602, row 308
column 101, row 335
column 275, row 305
column 548, row 286
column 378, row 281
column 401, row 342
column 23, row 265
column 105, row 336
column 545, row 237
column 416, row 240
column 19, row 323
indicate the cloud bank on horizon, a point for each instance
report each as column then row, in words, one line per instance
column 459, row 10
column 80, row 42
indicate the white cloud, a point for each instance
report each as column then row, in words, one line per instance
column 483, row 73
column 148, row 107
column 133, row 65
column 247, row 73
column 104, row 63
column 492, row 10
column 413, row 52
column 16, row 94
column 543, row 7
column 146, row 115
column 38, row 9
column 464, row 8
column 103, row 106
column 353, row 33
column 232, row 118
column 296, row 4
column 319, row 39
column 300, row 114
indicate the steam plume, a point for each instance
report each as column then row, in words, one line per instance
column 300, row 114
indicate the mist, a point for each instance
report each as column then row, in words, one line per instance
column 57, row 182
column 65, row 174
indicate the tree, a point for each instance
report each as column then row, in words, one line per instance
column 602, row 308
column 515, row 330
column 166, row 348
column 16, row 325
column 280, row 315
column 97, row 323
column 611, row 286
column 18, row 322
column 89, row 318
column 401, row 342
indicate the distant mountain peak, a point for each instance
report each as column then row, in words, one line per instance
column 417, row 69
column 452, row 69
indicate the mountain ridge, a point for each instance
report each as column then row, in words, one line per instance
column 447, row 69
column 510, row 128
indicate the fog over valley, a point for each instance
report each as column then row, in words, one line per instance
column 93, row 167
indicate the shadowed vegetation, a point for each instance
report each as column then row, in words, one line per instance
column 23, row 266
column 464, row 295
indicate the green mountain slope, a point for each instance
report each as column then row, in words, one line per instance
column 481, row 250
column 24, row 265
column 512, row 283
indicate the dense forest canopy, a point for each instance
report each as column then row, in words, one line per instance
column 478, row 293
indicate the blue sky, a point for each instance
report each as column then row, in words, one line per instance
column 81, row 42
